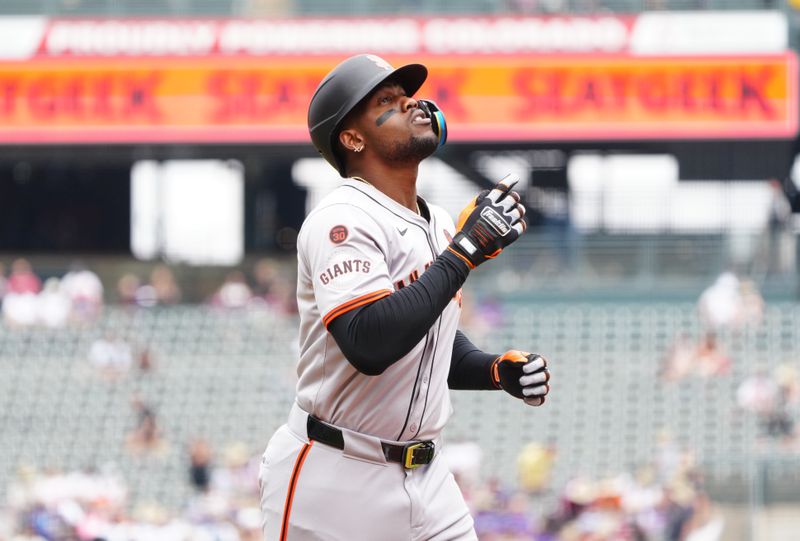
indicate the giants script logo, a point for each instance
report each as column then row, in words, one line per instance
column 338, row 234
column 341, row 268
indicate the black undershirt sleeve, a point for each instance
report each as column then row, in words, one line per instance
column 379, row 334
column 470, row 368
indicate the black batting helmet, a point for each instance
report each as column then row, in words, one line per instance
column 343, row 88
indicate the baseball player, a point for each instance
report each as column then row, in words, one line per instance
column 380, row 272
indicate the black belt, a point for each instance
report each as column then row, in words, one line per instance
column 412, row 455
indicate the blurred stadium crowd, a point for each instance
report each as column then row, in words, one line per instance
column 663, row 501
column 661, row 498
column 78, row 296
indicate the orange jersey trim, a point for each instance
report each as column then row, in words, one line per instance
column 287, row 508
column 353, row 304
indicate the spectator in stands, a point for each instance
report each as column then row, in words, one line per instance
column 127, row 286
column 234, row 292
column 704, row 522
column 757, row 394
column 146, row 296
column 231, row 489
column 780, row 424
column 273, row 288
column 22, row 280
column 164, row 285
column 679, row 361
column 145, row 358
column 200, row 465
column 720, row 305
column 669, row 506
column 85, row 292
column 54, row 306
column 111, row 356
column 265, row 274
column 780, row 243
column 679, row 500
column 20, row 305
column 710, row 360
column 145, row 439
column 162, row 289
column 66, row 506
column 501, row 514
column 535, row 463
column 668, row 457
column 284, row 298
column 237, row 480
column 752, row 310
column 704, row 359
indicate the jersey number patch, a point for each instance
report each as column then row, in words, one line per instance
column 338, row 234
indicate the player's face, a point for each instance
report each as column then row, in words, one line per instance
column 394, row 127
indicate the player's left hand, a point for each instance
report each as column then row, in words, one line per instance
column 489, row 223
column 523, row 375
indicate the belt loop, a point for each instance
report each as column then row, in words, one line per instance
column 324, row 433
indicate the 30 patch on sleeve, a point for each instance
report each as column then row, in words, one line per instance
column 338, row 234
column 345, row 269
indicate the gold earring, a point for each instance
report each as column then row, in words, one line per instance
column 359, row 148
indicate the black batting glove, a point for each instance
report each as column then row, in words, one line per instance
column 523, row 375
column 491, row 221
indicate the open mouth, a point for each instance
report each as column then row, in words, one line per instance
column 419, row 118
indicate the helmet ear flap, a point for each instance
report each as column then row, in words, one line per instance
column 438, row 122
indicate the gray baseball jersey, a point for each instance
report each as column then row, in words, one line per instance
column 356, row 247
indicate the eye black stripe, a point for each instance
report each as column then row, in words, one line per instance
column 384, row 117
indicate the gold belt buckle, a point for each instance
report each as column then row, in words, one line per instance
column 426, row 449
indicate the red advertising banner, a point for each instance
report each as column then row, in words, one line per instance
column 485, row 98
